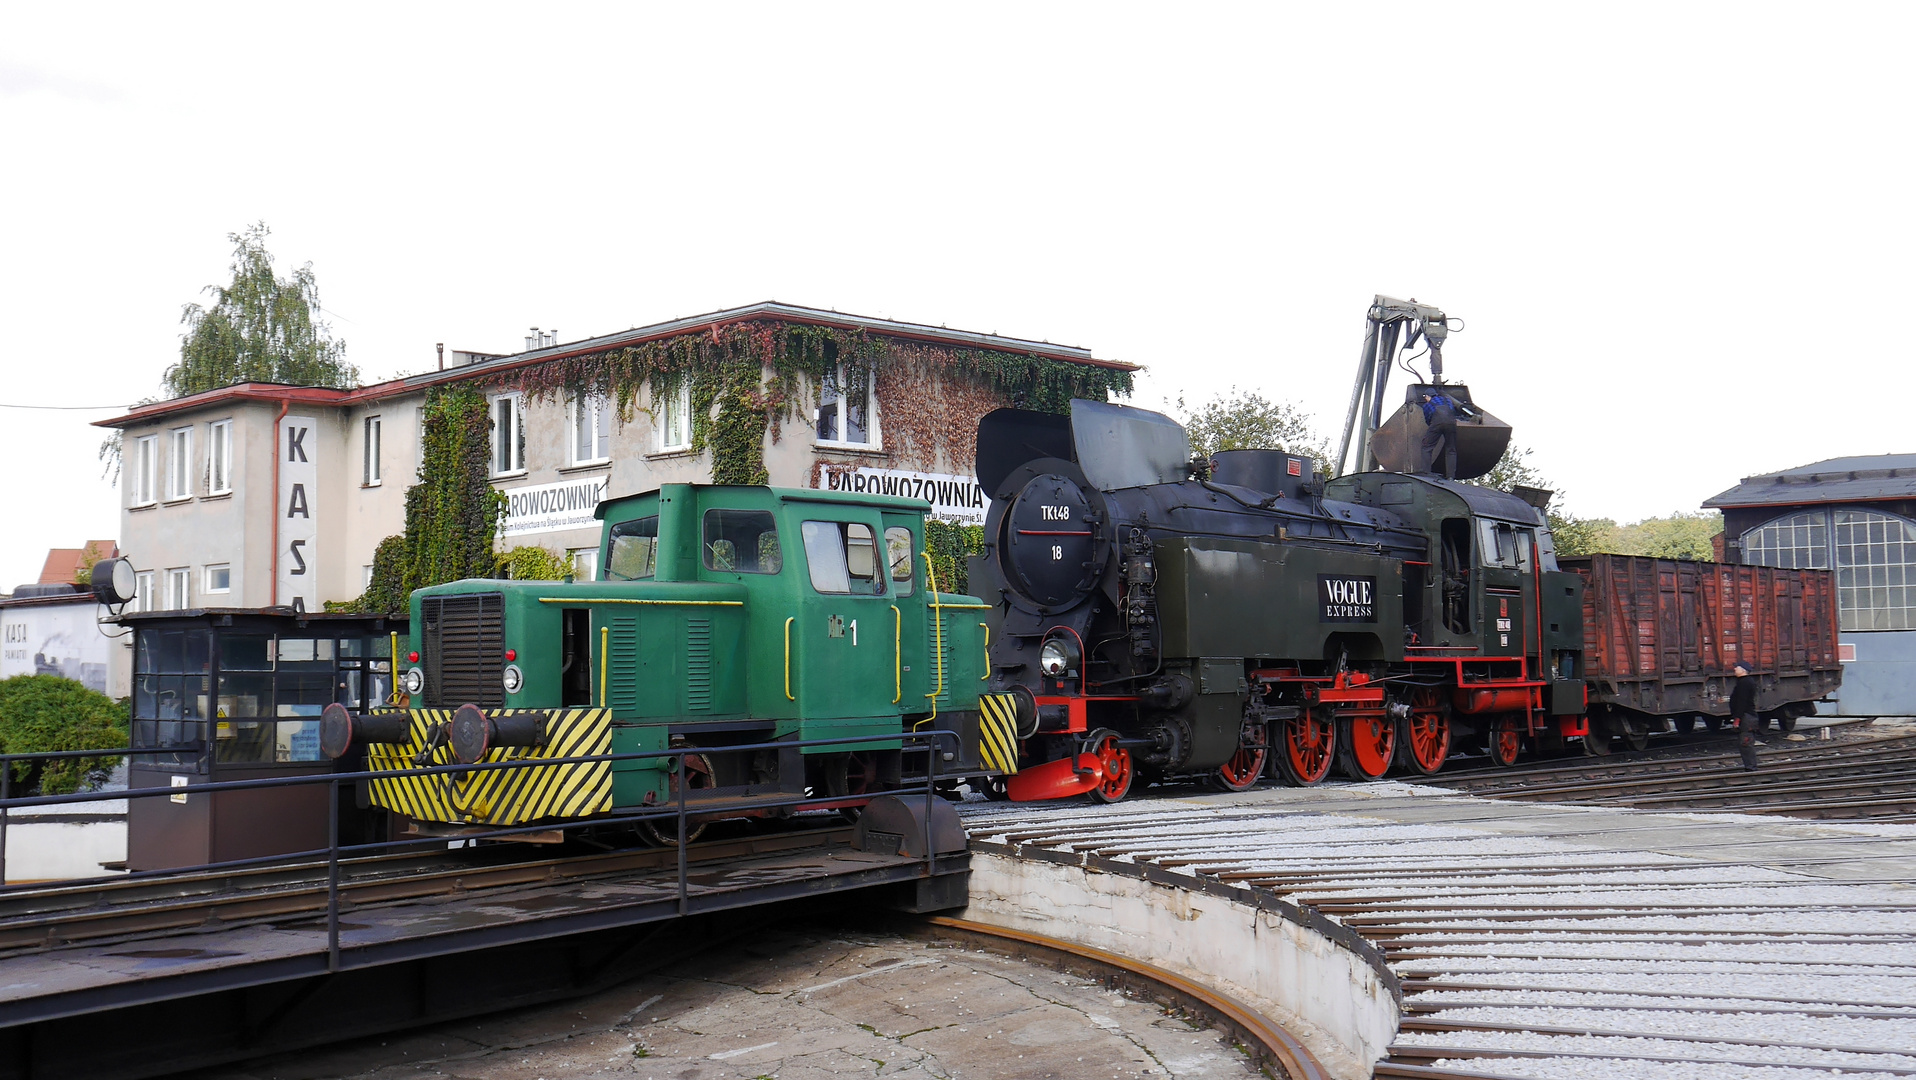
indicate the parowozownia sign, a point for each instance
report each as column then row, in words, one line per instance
column 952, row 498
column 538, row 508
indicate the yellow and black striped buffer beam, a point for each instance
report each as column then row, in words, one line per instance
column 998, row 732
column 502, row 797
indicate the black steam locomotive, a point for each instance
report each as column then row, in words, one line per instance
column 1154, row 622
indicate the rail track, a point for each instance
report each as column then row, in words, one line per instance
column 1858, row 779
column 47, row 916
column 1553, row 942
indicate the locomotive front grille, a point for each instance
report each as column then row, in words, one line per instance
column 464, row 641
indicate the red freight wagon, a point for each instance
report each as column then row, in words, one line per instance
column 1661, row 635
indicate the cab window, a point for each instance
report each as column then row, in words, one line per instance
column 904, row 564
column 843, row 558
column 1506, row 545
column 634, row 550
column 741, row 541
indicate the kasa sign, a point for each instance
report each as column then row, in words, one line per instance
column 298, row 527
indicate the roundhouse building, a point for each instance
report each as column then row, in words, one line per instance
column 259, row 495
column 1856, row 516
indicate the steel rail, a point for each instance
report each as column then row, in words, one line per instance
column 1278, row 1044
column 1422, row 985
column 314, row 892
column 1435, row 1052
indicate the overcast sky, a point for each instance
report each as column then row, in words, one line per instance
column 1678, row 235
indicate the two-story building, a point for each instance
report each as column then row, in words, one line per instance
column 259, row 495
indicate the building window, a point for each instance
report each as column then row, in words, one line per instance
column 1873, row 554
column 847, row 414
column 179, row 473
column 372, row 452
column 219, row 457
column 1875, row 570
column 146, row 470
column 508, row 435
column 1798, row 542
column 585, row 564
column 179, row 588
column 143, row 591
column 366, row 576
column 675, row 418
column 591, row 424
column 219, row 577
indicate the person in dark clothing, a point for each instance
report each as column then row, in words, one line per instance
column 1743, row 710
column 1440, row 434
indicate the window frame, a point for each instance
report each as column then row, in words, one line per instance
column 144, row 582
column 839, row 543
column 589, row 557
column 515, row 451
column 372, row 447
column 707, row 552
column 206, row 580
column 146, row 474
column 833, row 384
column 179, row 472
column 599, row 408
column 679, row 400
column 219, row 457
column 613, row 536
column 183, row 577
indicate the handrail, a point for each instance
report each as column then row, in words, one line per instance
column 937, row 635
column 605, row 656
column 788, row 658
column 392, row 669
column 334, row 849
column 986, row 677
column 897, row 655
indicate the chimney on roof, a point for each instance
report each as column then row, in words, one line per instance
column 537, row 340
column 442, row 355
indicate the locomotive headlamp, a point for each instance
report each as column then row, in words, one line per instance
column 413, row 682
column 513, row 678
column 1057, row 657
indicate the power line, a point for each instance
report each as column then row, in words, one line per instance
column 65, row 408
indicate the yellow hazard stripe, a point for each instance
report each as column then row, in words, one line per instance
column 502, row 797
column 998, row 732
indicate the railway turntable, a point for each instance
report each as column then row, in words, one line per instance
column 1417, row 934
column 194, row 968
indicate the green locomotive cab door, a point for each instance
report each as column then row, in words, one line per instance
column 846, row 644
column 910, row 628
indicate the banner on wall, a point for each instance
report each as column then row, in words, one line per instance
column 538, row 508
column 298, row 513
column 952, row 498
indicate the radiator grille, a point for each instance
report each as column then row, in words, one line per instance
column 698, row 665
column 624, row 690
column 465, row 642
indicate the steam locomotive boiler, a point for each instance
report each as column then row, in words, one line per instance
column 1150, row 621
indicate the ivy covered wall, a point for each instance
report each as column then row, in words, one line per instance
column 749, row 378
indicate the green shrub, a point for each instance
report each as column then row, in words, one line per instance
column 39, row 713
column 533, row 563
column 950, row 545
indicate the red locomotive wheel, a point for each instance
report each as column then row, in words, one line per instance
column 1423, row 742
column 1506, row 740
column 1365, row 746
column 1241, row 772
column 1103, row 744
column 664, row 832
column 1306, row 747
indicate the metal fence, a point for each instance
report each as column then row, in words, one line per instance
column 682, row 811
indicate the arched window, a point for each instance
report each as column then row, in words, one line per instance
column 1875, row 570
column 1798, row 542
column 1874, row 555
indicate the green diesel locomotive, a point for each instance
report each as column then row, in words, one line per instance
column 725, row 616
